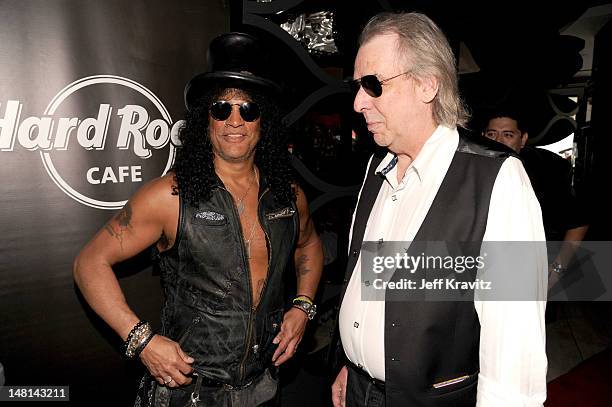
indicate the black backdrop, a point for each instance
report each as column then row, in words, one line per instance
column 89, row 91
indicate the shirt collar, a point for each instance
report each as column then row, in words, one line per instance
column 423, row 162
column 387, row 164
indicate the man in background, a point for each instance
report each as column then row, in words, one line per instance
column 565, row 220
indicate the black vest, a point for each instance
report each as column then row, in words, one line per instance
column 431, row 342
column 208, row 296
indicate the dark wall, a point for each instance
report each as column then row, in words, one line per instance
column 600, row 133
column 58, row 187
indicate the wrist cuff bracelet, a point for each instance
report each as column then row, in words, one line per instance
column 137, row 339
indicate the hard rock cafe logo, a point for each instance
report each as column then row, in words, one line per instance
column 94, row 146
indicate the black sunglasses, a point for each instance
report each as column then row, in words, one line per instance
column 371, row 84
column 222, row 109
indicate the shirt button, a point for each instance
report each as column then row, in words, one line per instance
column 359, row 365
column 354, row 253
column 394, row 324
column 356, row 324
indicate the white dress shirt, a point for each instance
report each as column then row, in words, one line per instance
column 512, row 336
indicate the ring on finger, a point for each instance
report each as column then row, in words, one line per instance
column 168, row 380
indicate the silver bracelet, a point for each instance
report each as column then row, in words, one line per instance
column 141, row 333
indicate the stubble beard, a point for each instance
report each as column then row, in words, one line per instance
column 235, row 160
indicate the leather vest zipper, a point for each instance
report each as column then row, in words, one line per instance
column 247, row 343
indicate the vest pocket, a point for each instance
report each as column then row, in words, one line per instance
column 209, row 297
column 185, row 335
column 280, row 213
column 209, row 218
column 211, row 241
column 454, row 385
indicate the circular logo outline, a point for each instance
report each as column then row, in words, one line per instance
column 56, row 102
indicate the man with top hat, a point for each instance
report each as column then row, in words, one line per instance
column 225, row 222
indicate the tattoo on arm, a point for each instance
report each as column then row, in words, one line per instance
column 301, row 265
column 123, row 219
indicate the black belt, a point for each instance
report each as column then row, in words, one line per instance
column 359, row 370
column 214, row 383
column 211, row 383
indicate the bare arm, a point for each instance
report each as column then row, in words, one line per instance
column 571, row 242
column 565, row 256
column 308, row 253
column 150, row 216
column 134, row 228
column 308, row 265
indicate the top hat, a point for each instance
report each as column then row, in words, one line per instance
column 235, row 60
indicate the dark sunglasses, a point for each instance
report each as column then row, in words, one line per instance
column 222, row 109
column 371, row 84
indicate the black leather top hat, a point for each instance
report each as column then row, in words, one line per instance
column 235, row 60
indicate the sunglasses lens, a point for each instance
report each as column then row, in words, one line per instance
column 249, row 111
column 354, row 86
column 221, row 110
column 371, row 85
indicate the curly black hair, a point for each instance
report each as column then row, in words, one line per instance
column 194, row 169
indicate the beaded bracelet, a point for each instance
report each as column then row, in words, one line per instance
column 304, row 298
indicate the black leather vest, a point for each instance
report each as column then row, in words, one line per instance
column 208, row 295
column 431, row 342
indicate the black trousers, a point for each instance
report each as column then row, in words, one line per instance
column 262, row 392
column 362, row 390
